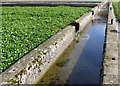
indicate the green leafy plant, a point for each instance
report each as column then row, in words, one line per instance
column 116, row 6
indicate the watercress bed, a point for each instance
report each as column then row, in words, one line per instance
column 116, row 6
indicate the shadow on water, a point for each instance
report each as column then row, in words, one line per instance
column 81, row 62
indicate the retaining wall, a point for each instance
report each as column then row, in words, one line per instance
column 110, row 62
column 31, row 68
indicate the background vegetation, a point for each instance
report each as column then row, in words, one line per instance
column 116, row 6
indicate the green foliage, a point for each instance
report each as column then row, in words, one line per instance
column 116, row 6
column 24, row 28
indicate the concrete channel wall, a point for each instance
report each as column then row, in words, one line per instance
column 110, row 63
column 85, row 19
column 31, row 68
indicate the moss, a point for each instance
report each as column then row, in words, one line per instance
column 106, row 64
column 19, row 73
column 60, row 38
column 16, row 76
column 42, row 52
column 30, row 63
column 12, row 81
column 63, row 35
column 48, row 48
column 36, row 60
column 39, row 56
column 107, row 57
column 62, row 63
column 53, row 43
column 103, row 56
column 23, row 71
column 103, row 61
column 56, row 41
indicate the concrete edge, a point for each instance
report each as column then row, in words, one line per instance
column 89, row 15
column 30, row 68
column 110, row 59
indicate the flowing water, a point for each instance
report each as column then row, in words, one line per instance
column 81, row 62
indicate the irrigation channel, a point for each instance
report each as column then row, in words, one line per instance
column 81, row 62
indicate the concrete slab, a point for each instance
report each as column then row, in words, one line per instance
column 110, row 64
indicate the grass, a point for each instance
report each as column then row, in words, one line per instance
column 24, row 28
column 115, row 0
column 116, row 6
